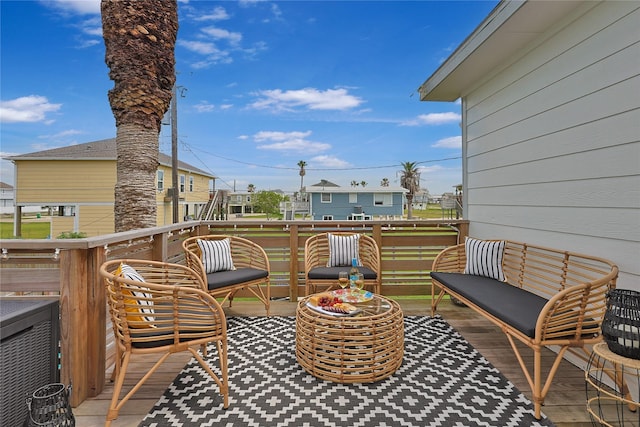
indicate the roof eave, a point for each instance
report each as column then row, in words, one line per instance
column 509, row 28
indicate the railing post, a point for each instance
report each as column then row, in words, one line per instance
column 159, row 246
column 293, row 262
column 96, row 323
column 463, row 231
column 74, row 313
column 376, row 233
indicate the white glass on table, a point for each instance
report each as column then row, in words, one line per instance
column 343, row 279
column 359, row 282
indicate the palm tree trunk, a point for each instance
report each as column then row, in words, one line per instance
column 409, row 206
column 136, row 177
column 140, row 37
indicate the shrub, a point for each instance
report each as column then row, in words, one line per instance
column 72, row 235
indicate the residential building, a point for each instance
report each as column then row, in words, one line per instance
column 551, row 126
column 78, row 183
column 239, row 203
column 6, row 198
column 329, row 201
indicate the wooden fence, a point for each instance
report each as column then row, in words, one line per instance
column 70, row 269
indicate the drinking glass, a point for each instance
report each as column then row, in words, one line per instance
column 343, row 279
column 360, row 282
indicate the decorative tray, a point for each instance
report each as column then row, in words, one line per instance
column 331, row 313
column 352, row 296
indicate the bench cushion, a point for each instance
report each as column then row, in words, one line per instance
column 512, row 305
column 330, row 273
column 220, row 279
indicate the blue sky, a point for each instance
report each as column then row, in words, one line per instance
column 264, row 85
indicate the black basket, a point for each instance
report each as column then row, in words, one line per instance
column 621, row 324
column 49, row 406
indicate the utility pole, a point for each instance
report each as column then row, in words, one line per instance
column 175, row 196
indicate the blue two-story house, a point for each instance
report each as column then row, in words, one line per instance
column 328, row 201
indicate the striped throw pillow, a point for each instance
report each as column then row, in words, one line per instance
column 484, row 258
column 144, row 311
column 216, row 255
column 342, row 249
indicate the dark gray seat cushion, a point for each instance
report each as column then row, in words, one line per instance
column 512, row 305
column 331, row 273
column 152, row 332
column 153, row 344
column 220, row 279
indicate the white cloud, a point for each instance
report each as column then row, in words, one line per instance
column 218, row 14
column 279, row 136
column 203, row 48
column 88, row 43
column 246, row 3
column 222, row 34
column 451, row 142
column 32, row 108
column 311, row 98
column 204, row 107
column 289, row 141
column 82, row 7
column 434, row 119
column 430, row 169
column 92, row 26
column 212, row 54
column 329, row 162
column 63, row 134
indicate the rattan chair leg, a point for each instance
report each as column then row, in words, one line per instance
column 112, row 414
column 222, row 383
column 113, row 410
column 116, row 368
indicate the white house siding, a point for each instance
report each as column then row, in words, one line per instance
column 553, row 140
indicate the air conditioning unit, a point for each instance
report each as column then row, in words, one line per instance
column 169, row 192
column 29, row 353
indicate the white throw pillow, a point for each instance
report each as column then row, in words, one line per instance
column 145, row 307
column 484, row 258
column 216, row 255
column 342, row 249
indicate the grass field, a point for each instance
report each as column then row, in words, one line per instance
column 40, row 230
column 30, row 230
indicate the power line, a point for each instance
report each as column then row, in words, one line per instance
column 188, row 148
column 319, row 169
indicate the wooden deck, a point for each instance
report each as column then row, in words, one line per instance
column 565, row 404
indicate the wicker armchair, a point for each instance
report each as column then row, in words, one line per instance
column 167, row 312
column 320, row 277
column 251, row 268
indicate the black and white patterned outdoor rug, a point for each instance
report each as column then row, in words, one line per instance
column 443, row 381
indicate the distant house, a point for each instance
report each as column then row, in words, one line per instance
column 329, row 201
column 6, row 198
column 550, row 95
column 240, row 202
column 78, row 181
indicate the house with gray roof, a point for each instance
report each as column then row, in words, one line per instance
column 77, row 182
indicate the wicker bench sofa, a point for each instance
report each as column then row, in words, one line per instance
column 536, row 295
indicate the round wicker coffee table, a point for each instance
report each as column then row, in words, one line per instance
column 362, row 348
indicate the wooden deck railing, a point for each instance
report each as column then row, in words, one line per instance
column 69, row 269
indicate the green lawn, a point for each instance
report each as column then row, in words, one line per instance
column 433, row 211
column 30, row 230
column 40, row 230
